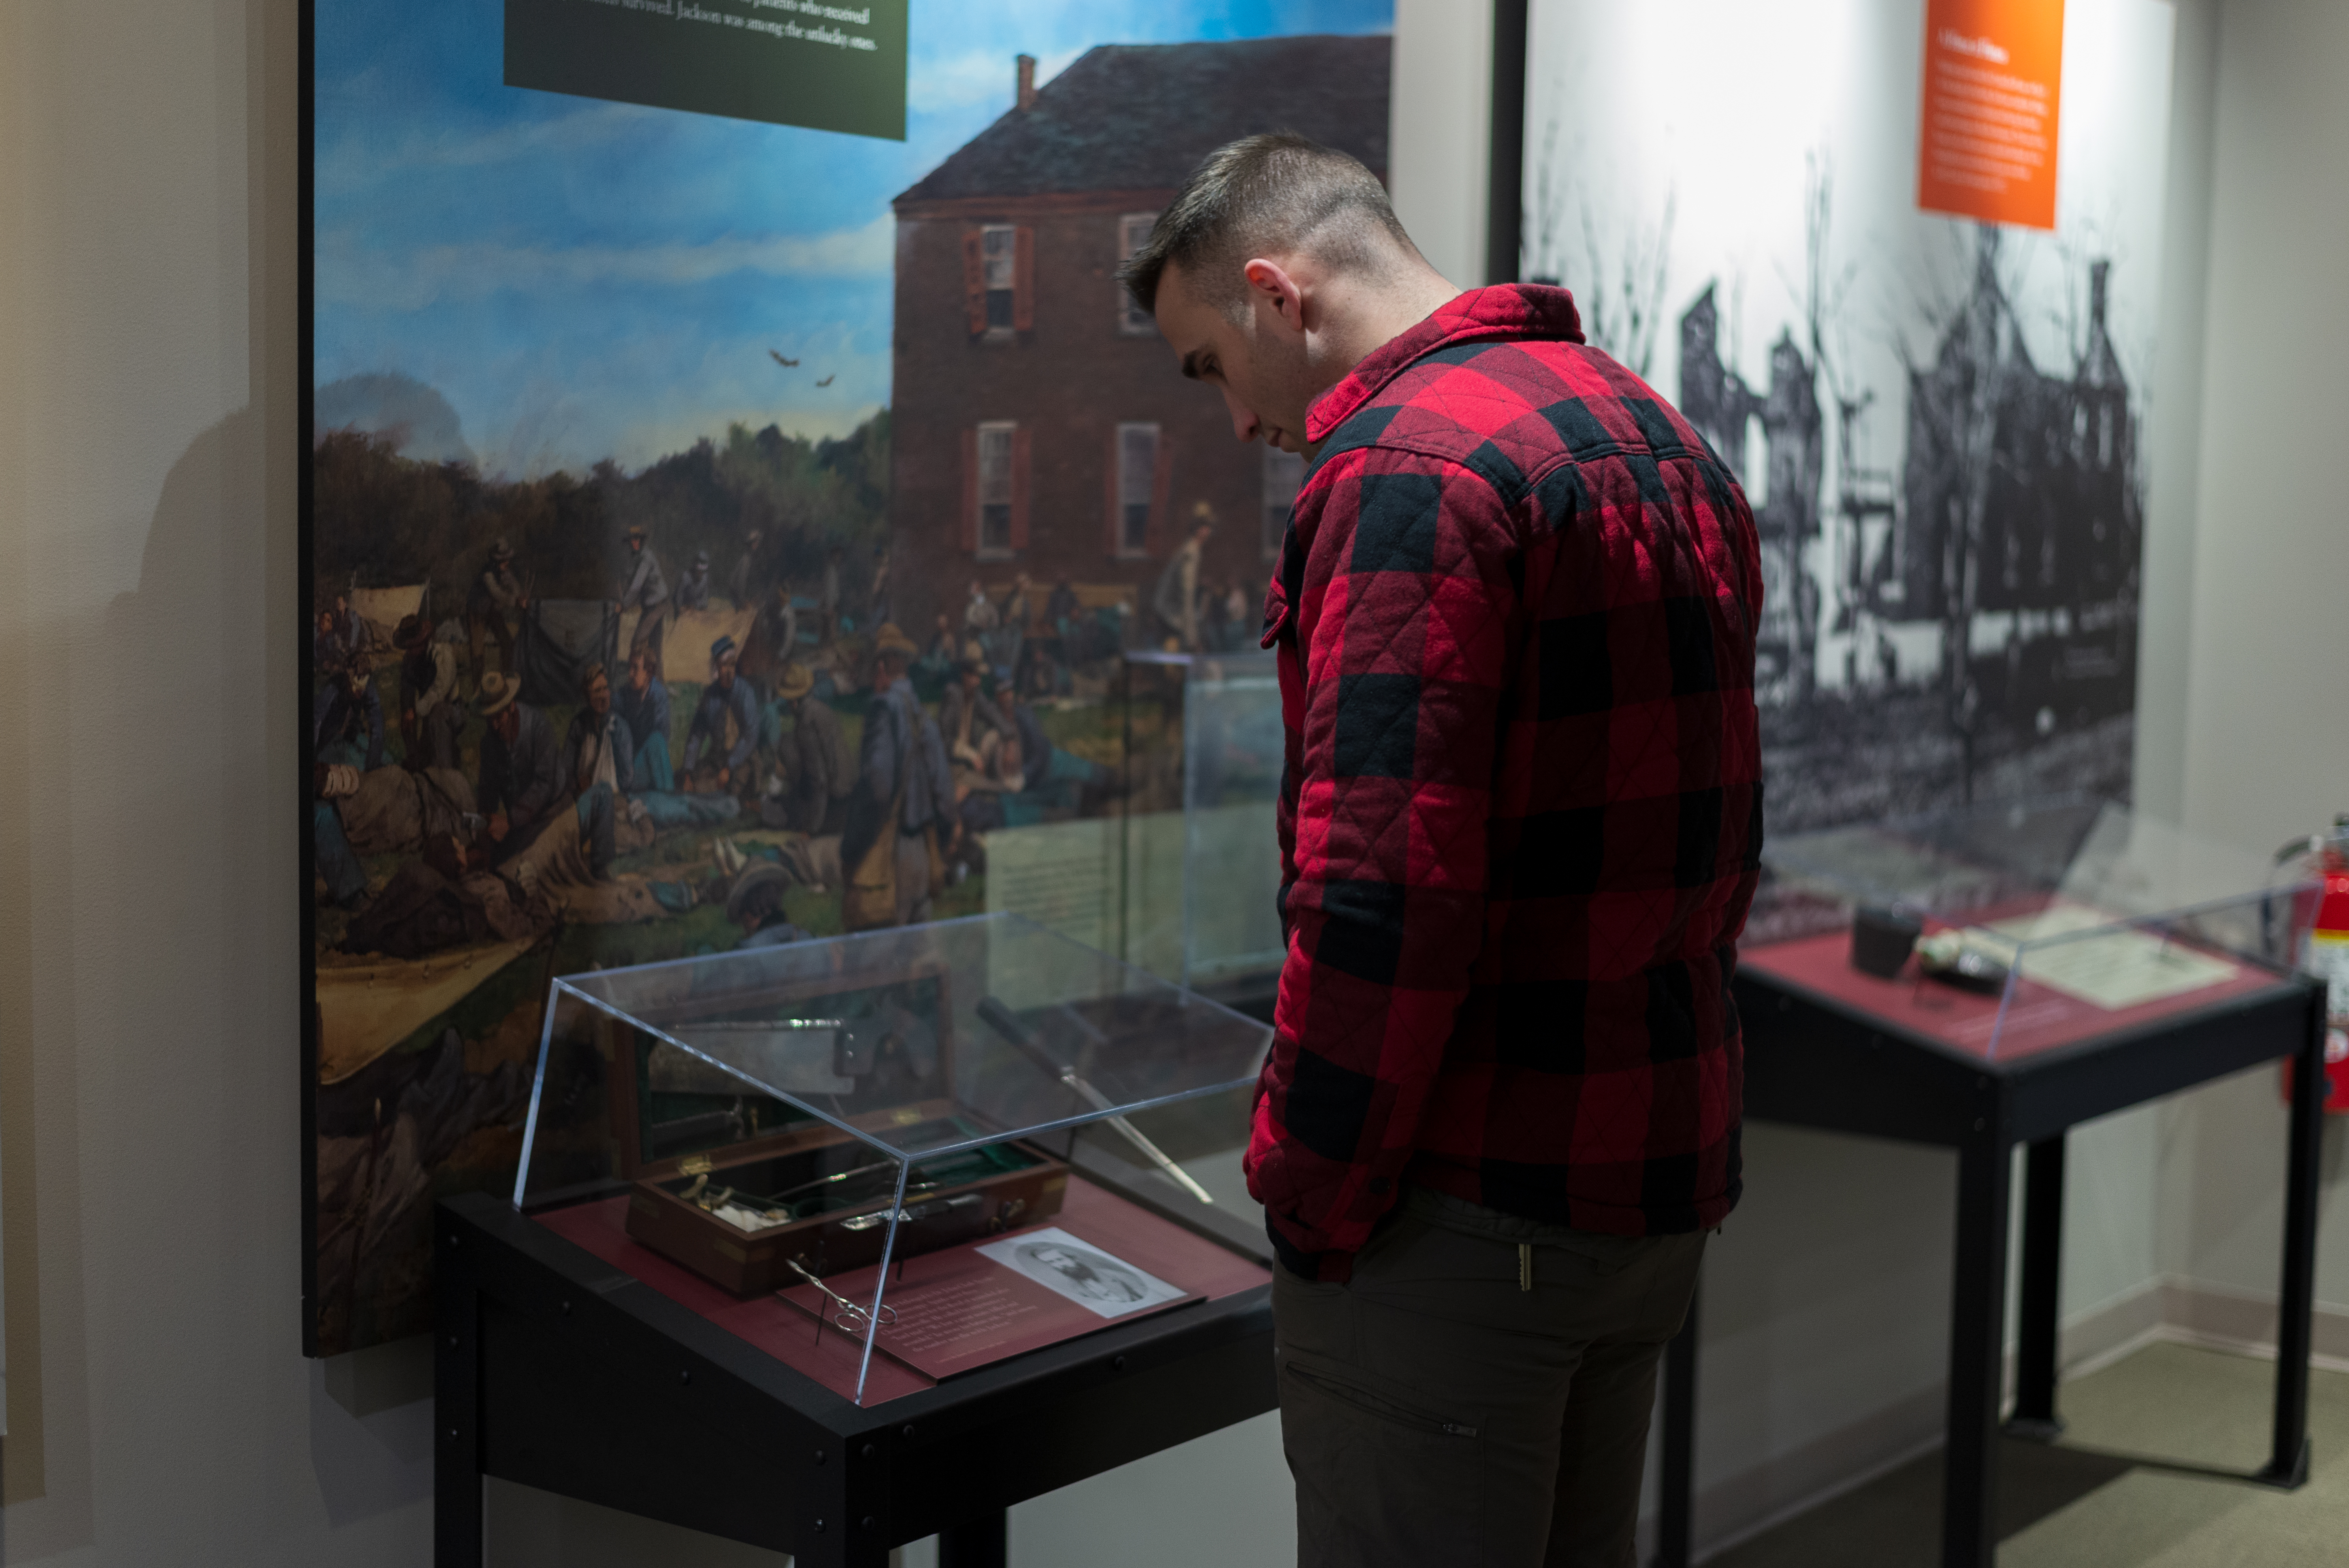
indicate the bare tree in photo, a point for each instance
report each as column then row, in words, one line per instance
column 1623, row 306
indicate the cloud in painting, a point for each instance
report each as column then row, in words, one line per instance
column 351, row 273
column 354, row 164
column 586, row 281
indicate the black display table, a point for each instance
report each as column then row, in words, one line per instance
column 1825, row 1047
column 558, row 1370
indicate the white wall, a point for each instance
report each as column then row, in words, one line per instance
column 2265, row 750
column 1439, row 120
column 148, row 940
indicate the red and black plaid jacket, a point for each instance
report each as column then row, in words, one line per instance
column 1522, row 818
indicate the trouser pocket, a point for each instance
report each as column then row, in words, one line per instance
column 1384, row 1475
column 1378, row 1406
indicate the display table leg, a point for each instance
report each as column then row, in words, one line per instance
column 981, row 1542
column 1675, row 1488
column 2034, row 1413
column 456, row 1407
column 1970, row 1462
column 2288, row 1464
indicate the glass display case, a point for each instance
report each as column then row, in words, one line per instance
column 1200, row 860
column 2005, row 929
column 923, row 1149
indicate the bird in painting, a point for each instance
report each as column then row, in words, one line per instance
column 787, row 364
column 829, row 379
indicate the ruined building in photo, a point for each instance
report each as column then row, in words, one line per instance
column 2022, row 520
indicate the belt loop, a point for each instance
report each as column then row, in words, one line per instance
column 1525, row 1265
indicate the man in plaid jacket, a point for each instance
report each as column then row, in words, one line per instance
column 1520, row 827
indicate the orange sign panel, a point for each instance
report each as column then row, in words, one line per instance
column 1994, row 90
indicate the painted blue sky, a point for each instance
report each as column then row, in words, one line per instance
column 583, row 280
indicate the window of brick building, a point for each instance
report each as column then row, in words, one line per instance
column 1137, row 486
column 998, row 279
column 995, row 488
column 1133, row 233
column 1283, row 473
column 999, row 254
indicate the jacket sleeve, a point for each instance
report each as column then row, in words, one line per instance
column 1400, row 620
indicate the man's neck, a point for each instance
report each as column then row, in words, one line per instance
column 1364, row 315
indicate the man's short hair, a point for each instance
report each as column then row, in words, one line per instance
column 1263, row 195
column 591, row 675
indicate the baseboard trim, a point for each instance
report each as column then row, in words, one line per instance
column 2221, row 1317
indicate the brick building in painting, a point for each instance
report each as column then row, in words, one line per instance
column 1038, row 421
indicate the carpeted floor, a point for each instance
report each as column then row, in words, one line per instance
column 2130, row 1486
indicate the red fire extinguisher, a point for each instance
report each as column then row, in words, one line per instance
column 2325, row 957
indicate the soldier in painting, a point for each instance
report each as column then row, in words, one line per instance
column 902, row 814
column 693, row 588
column 756, row 904
column 645, row 591
column 979, row 615
column 1176, row 602
column 432, row 716
column 346, row 716
column 773, row 640
column 745, row 584
column 728, row 703
column 341, row 635
column 495, row 594
column 938, row 660
column 1063, row 610
column 326, row 648
column 599, row 749
column 814, row 757
column 536, row 831
column 968, row 719
column 642, row 703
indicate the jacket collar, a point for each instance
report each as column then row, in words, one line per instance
column 1519, row 311
column 1502, row 311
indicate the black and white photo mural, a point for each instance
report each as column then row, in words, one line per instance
column 1937, row 420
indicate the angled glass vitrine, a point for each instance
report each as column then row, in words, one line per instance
column 936, row 1146
column 2019, row 926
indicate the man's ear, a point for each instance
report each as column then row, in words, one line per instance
column 1270, row 287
